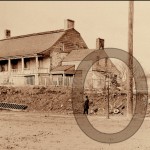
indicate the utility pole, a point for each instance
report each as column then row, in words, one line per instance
column 107, row 90
column 130, row 60
column 108, row 99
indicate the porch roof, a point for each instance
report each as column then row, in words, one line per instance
column 66, row 69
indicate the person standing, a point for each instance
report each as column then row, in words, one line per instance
column 86, row 105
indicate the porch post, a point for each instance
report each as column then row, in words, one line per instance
column 37, row 75
column 36, row 79
column 63, row 79
column 57, row 81
column 22, row 61
column 36, row 62
column 9, row 65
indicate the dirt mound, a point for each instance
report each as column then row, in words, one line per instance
column 38, row 98
column 58, row 99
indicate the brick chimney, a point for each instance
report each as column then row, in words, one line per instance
column 69, row 24
column 99, row 43
column 7, row 33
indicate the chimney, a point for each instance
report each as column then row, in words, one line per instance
column 99, row 43
column 69, row 24
column 7, row 33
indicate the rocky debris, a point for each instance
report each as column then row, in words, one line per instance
column 116, row 111
column 69, row 100
column 99, row 103
column 38, row 98
column 94, row 110
column 59, row 100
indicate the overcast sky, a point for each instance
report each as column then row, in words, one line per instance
column 108, row 20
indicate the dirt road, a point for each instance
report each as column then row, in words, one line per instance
column 43, row 131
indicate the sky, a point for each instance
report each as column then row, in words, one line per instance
column 104, row 19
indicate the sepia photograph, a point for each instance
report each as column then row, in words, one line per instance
column 74, row 75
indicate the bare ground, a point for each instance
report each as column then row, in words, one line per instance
column 46, row 131
column 55, row 99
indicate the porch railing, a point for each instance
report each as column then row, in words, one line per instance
column 26, row 71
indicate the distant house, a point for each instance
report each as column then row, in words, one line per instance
column 97, row 73
column 50, row 58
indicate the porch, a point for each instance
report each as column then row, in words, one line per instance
column 22, row 65
column 63, row 75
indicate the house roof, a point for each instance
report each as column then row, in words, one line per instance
column 29, row 44
column 67, row 69
column 77, row 55
column 64, row 68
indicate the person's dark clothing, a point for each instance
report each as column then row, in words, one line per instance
column 86, row 106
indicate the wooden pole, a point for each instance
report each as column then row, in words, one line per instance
column 130, row 60
column 108, row 100
column 22, row 64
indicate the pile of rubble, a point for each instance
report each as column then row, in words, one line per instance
column 38, row 98
column 58, row 99
column 99, row 104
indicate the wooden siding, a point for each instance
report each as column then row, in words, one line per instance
column 71, row 40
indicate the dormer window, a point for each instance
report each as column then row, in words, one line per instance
column 77, row 46
column 62, row 48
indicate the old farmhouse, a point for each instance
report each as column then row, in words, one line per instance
column 48, row 58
